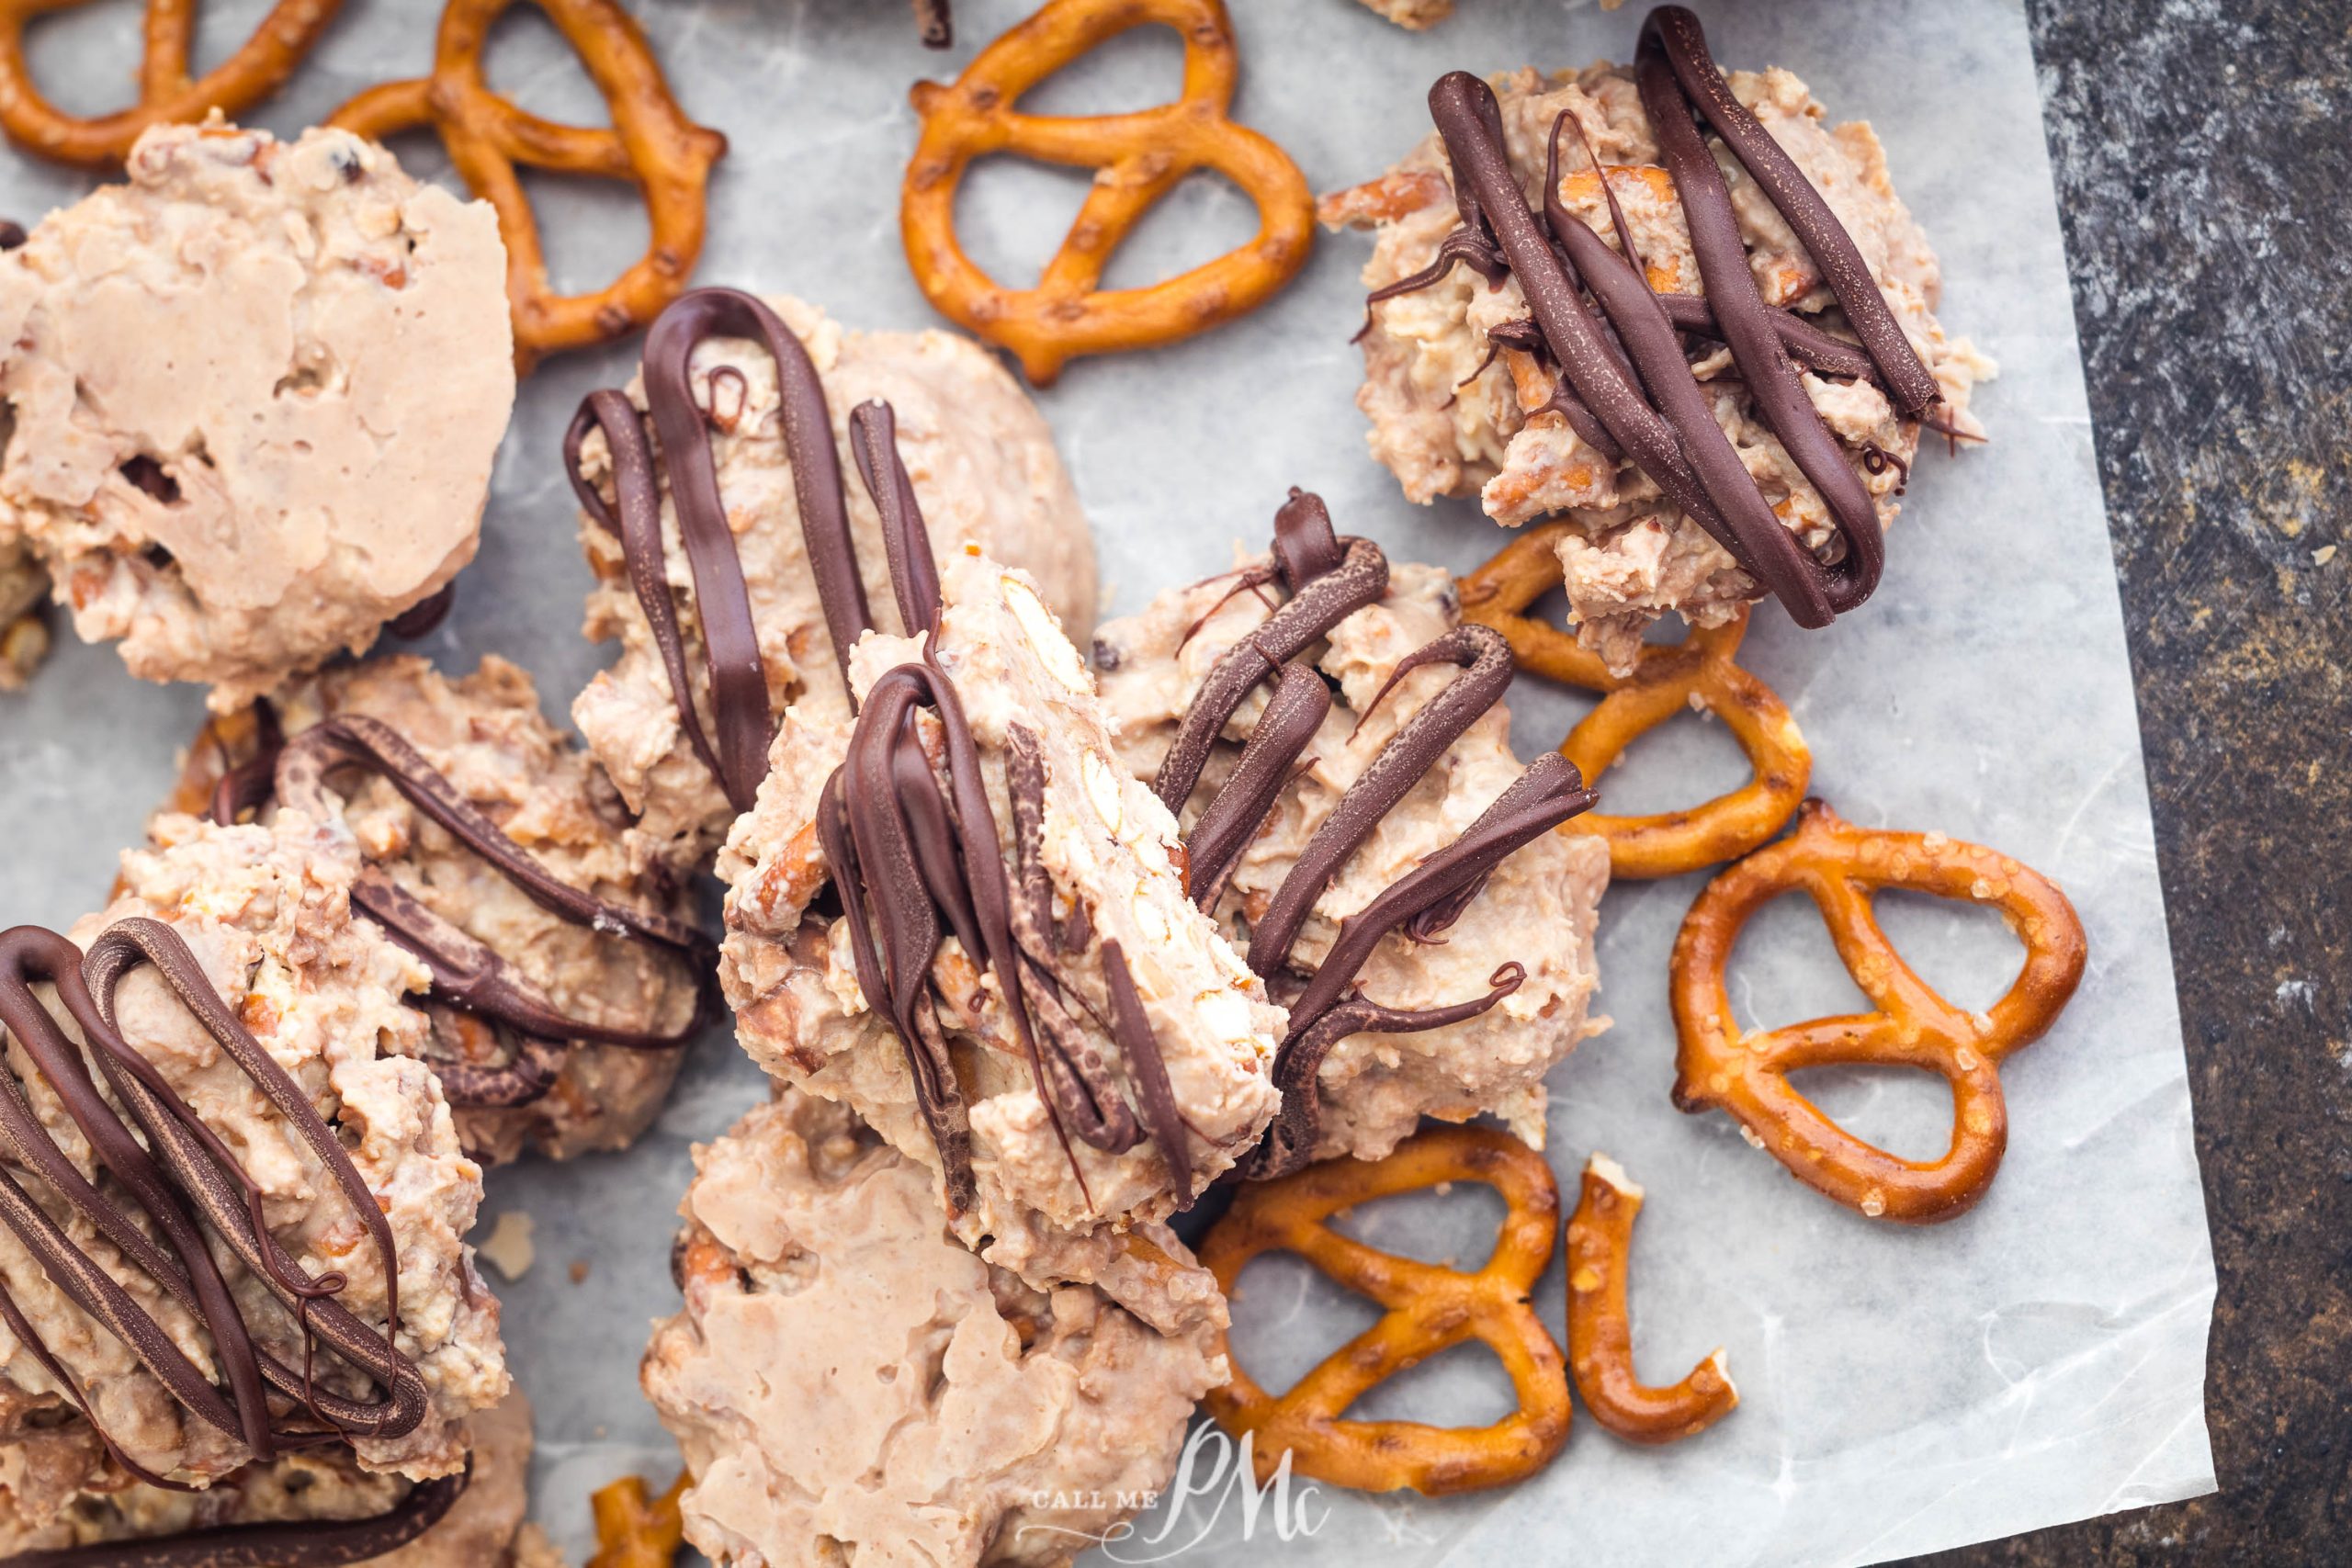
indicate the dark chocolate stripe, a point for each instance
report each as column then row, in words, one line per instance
column 1772, row 382
column 196, row 1168
column 1807, row 345
column 1294, row 714
column 1767, row 549
column 730, row 639
column 1085, row 1091
column 296, row 1544
column 465, row 971
column 906, row 542
column 1549, row 792
column 1684, row 45
column 636, row 520
column 1361, row 579
column 1486, row 661
column 1423, row 903
column 425, row 618
column 1297, row 1127
column 1145, row 1065
column 739, row 694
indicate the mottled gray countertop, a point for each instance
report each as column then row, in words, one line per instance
column 2203, row 166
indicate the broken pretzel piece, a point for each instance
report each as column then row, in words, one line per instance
column 1839, row 866
column 1430, row 1307
column 650, row 143
column 1601, row 1339
column 636, row 1531
column 1137, row 159
column 1665, row 680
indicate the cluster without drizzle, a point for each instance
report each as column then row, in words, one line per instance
column 174, row 1180
column 1328, row 579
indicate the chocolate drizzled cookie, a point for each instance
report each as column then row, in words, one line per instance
column 162, row 1181
column 911, row 862
column 467, row 975
column 1626, row 386
column 1328, row 579
column 740, row 710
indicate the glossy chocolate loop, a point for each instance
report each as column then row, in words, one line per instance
column 182, row 1171
column 636, row 520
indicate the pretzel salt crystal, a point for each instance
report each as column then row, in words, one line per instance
column 650, row 143
column 1839, row 866
column 1664, row 681
column 1137, row 159
column 167, row 94
column 1430, row 1308
column 1601, row 1339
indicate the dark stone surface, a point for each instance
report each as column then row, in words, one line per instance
column 2204, row 167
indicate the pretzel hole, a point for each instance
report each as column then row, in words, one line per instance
column 1012, row 214
column 1454, row 1225
column 590, row 230
column 86, row 58
column 1786, row 969
column 1965, row 951
column 1462, row 1385
column 1904, row 1111
column 1690, row 759
column 1204, row 217
column 528, row 61
column 1287, row 1317
column 1139, row 69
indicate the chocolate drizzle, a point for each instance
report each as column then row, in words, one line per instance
column 1625, row 384
column 913, row 863
column 292, row 1543
column 176, row 1171
column 1425, row 902
column 741, row 713
column 466, row 974
column 935, row 24
column 1320, row 599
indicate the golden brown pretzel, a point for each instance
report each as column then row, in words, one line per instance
column 167, row 95
column 650, row 143
column 1600, row 1340
column 633, row 1532
column 1839, row 866
column 1137, row 159
column 1664, row 681
column 1430, row 1308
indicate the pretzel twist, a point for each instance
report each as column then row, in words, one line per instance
column 167, row 94
column 636, row 1531
column 1601, row 1339
column 650, row 143
column 1137, row 158
column 1698, row 671
column 1839, row 866
column 1430, row 1308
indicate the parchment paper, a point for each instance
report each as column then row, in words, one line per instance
column 2039, row 1361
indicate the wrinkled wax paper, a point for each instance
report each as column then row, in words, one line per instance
column 2039, row 1359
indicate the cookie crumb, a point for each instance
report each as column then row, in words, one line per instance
column 579, row 1271
column 507, row 1247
